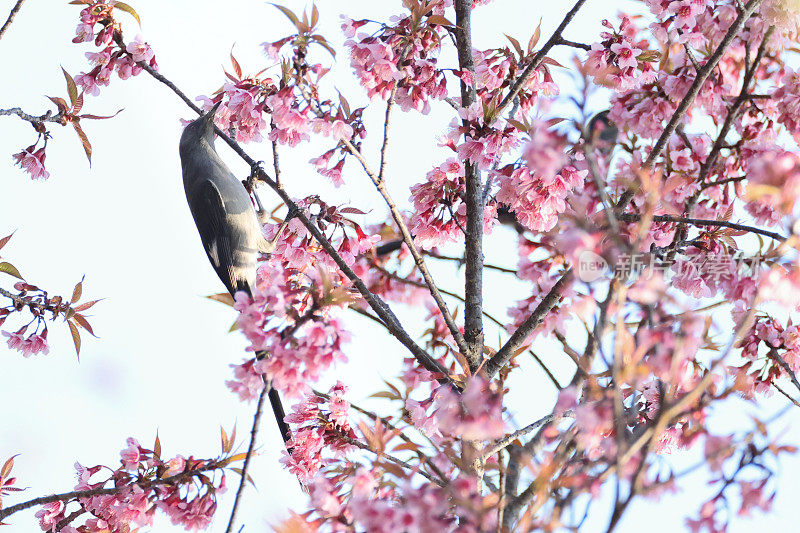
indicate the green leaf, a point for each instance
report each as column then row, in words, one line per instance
column 128, row 9
column 72, row 89
column 10, row 269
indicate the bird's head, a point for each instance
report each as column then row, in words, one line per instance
column 201, row 128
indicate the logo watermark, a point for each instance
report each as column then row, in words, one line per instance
column 591, row 266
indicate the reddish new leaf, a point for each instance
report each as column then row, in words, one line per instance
column 76, row 337
column 87, row 146
column 72, row 89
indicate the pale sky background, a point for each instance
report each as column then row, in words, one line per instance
column 163, row 353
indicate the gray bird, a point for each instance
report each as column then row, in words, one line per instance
column 225, row 218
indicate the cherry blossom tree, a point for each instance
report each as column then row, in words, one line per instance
column 656, row 240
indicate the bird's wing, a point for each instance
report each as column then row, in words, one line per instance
column 208, row 209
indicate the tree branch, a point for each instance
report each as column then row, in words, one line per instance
column 33, row 119
column 375, row 302
column 630, row 217
column 473, row 236
column 10, row 19
column 539, row 57
column 505, row 353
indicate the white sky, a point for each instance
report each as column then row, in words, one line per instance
column 163, row 353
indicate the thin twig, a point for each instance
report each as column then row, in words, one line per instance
column 250, row 447
column 503, row 442
column 390, row 458
column 385, row 144
column 10, row 19
column 573, row 44
column 546, row 370
column 461, row 262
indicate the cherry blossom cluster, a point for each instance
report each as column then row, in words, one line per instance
column 31, row 161
column 30, row 307
column 185, row 489
column 475, row 414
column 98, row 25
column 439, row 211
column 400, row 59
column 318, row 425
column 291, row 318
column 620, row 60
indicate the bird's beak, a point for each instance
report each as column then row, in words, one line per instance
column 212, row 111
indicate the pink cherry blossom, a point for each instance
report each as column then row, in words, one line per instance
column 32, row 162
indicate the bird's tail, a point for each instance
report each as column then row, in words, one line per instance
column 274, row 395
column 277, row 408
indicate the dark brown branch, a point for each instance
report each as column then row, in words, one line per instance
column 573, row 44
column 503, row 442
column 10, row 19
column 775, row 356
column 700, row 78
column 505, row 353
column 555, row 39
column 630, row 217
column 473, row 198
